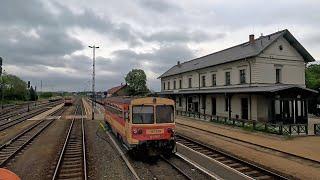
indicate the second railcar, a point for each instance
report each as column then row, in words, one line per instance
column 68, row 101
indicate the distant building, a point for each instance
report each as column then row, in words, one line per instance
column 118, row 91
column 262, row 79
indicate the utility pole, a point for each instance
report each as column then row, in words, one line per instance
column 93, row 78
column 1, row 82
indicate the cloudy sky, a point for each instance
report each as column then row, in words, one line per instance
column 48, row 40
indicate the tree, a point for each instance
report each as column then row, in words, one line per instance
column 313, row 76
column 14, row 87
column 313, row 82
column 46, row 95
column 136, row 80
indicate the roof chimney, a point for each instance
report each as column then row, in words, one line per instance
column 251, row 38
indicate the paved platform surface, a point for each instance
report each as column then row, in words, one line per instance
column 99, row 111
column 308, row 146
column 46, row 113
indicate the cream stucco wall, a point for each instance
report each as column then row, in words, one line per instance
column 220, row 70
column 288, row 60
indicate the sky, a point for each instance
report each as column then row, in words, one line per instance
column 48, row 40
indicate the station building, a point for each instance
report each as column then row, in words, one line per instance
column 262, row 79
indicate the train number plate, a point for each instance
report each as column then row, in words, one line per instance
column 155, row 131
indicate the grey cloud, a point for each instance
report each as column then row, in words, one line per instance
column 46, row 47
column 109, row 72
column 35, row 15
column 35, row 39
column 257, row 13
column 182, row 36
column 158, row 6
column 88, row 19
column 161, row 58
column 31, row 13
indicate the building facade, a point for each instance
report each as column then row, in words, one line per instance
column 262, row 79
column 121, row 90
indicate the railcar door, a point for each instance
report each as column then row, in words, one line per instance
column 126, row 116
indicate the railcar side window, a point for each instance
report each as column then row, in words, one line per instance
column 164, row 114
column 142, row 115
column 114, row 111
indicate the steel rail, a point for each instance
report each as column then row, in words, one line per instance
column 10, row 155
column 59, row 164
column 251, row 143
column 176, row 167
column 84, row 147
column 62, row 151
column 198, row 146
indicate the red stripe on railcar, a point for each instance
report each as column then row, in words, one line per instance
column 152, row 133
column 116, row 118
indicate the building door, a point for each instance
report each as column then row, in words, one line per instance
column 244, row 108
column 196, row 107
column 190, row 103
column 213, row 106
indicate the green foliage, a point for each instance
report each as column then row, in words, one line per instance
column 136, row 80
column 313, row 82
column 313, row 76
column 14, row 88
column 46, row 95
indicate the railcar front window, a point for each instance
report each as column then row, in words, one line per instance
column 142, row 115
column 164, row 114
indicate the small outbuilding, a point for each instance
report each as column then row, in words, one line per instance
column 118, row 91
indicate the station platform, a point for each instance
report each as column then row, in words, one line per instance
column 217, row 136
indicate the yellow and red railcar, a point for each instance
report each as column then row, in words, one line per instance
column 142, row 124
column 68, row 101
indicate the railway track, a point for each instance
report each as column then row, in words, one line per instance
column 23, row 109
column 14, row 107
column 13, row 146
column 247, row 169
column 254, row 144
column 177, row 168
column 72, row 158
column 11, row 122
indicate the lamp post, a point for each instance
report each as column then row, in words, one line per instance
column 93, row 77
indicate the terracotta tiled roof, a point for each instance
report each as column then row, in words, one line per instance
column 115, row 89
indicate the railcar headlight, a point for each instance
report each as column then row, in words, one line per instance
column 170, row 130
column 137, row 131
column 134, row 131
